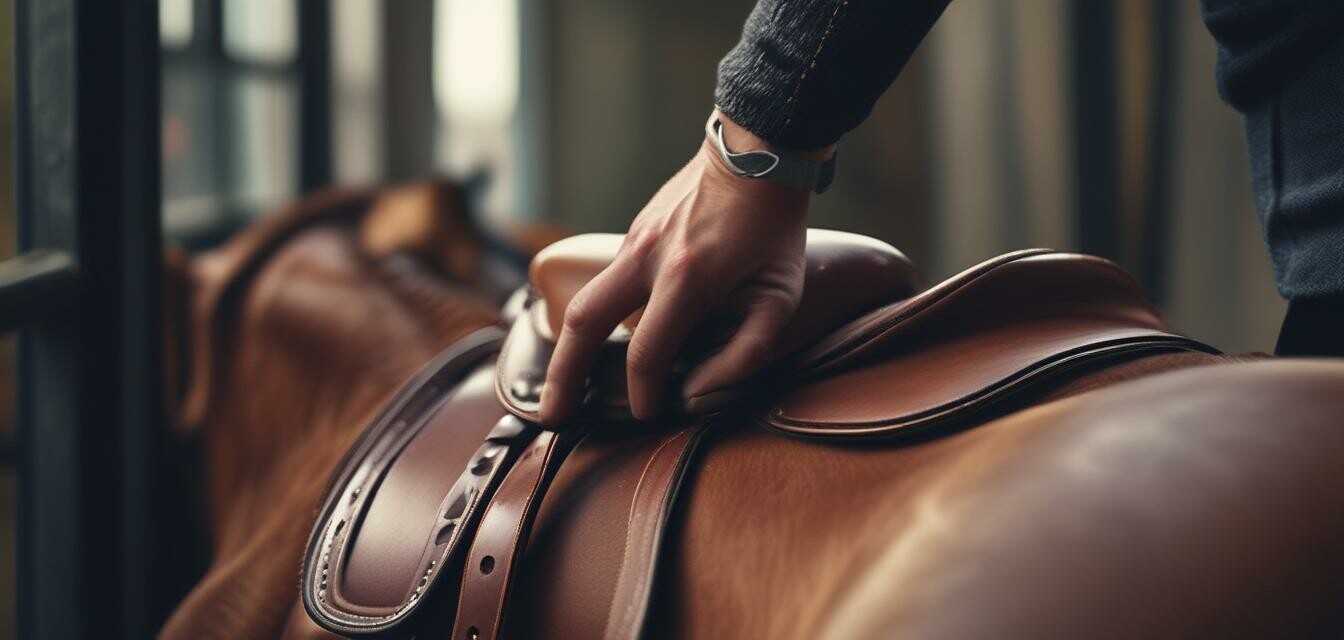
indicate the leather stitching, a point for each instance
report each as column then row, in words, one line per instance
column 636, row 512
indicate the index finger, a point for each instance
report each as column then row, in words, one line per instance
column 590, row 317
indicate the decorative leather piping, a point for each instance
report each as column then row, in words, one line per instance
column 814, row 359
column 866, row 336
column 985, row 397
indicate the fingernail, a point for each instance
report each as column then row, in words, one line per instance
column 711, row 401
column 550, row 418
column 546, row 412
column 696, row 385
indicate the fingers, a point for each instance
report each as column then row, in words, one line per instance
column 590, row 317
column 675, row 306
column 748, row 351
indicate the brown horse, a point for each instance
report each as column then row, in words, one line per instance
column 1169, row 494
column 289, row 338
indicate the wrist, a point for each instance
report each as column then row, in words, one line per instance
column 753, row 158
column 738, row 137
column 720, row 176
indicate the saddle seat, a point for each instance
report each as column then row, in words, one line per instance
column 437, row 499
column 845, row 276
column 877, row 356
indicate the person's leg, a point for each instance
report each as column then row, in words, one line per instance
column 1313, row 327
column 1281, row 63
column 1296, row 142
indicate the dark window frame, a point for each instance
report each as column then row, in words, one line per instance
column 102, row 550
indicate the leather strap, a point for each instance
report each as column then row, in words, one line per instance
column 507, row 524
column 502, row 535
column 650, row 511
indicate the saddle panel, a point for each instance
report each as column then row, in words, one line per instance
column 978, row 338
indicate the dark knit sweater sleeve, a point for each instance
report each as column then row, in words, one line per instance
column 808, row 71
column 1265, row 44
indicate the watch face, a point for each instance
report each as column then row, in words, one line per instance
column 795, row 172
column 748, row 164
column 755, row 164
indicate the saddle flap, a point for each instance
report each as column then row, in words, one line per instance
column 401, row 508
column 977, row 338
column 846, row 275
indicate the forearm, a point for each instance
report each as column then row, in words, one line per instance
column 807, row 71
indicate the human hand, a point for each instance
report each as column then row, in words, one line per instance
column 708, row 239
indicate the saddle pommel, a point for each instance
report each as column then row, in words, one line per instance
column 562, row 269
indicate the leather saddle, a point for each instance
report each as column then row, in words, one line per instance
column 428, row 516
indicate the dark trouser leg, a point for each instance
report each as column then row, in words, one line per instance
column 1281, row 63
column 1296, row 143
column 1313, row 327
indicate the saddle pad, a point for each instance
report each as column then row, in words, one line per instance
column 975, row 339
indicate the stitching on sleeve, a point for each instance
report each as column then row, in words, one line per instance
column 812, row 63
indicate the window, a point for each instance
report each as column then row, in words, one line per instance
column 231, row 103
column 477, row 80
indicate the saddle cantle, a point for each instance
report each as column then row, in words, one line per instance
column 436, row 501
column 977, row 338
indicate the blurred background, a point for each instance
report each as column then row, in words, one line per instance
column 1086, row 125
column 1076, row 124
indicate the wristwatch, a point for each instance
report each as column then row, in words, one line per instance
column 797, row 172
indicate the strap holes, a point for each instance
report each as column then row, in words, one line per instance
column 487, row 565
column 473, row 633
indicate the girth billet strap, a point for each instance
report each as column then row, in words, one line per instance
column 501, row 537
